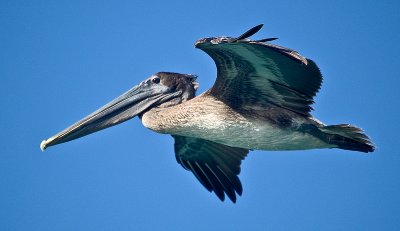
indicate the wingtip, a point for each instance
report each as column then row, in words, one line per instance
column 266, row 40
column 259, row 26
column 250, row 32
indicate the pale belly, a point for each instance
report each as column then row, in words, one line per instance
column 254, row 136
column 235, row 131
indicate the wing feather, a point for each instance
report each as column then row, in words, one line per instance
column 215, row 165
column 257, row 73
column 198, row 173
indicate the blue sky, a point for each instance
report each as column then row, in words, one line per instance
column 60, row 60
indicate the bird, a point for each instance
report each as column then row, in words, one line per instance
column 261, row 100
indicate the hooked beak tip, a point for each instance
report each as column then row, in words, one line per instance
column 43, row 145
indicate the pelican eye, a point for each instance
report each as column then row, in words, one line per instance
column 155, row 80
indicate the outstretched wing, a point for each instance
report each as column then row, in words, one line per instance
column 253, row 73
column 215, row 165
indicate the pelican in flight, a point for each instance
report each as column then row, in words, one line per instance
column 261, row 100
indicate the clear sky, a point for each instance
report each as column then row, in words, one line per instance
column 60, row 60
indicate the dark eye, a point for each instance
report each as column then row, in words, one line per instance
column 156, row 80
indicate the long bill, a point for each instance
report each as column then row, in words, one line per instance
column 133, row 102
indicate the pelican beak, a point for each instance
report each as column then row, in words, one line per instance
column 134, row 102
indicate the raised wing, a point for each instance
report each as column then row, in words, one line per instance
column 215, row 165
column 253, row 73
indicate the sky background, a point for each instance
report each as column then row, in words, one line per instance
column 61, row 60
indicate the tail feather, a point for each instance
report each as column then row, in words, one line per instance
column 348, row 137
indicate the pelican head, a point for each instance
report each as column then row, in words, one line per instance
column 163, row 89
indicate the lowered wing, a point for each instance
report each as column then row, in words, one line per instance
column 215, row 165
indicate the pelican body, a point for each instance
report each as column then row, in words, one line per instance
column 207, row 117
column 261, row 100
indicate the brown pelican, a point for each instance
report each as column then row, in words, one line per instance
column 261, row 100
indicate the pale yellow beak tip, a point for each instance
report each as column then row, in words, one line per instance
column 43, row 145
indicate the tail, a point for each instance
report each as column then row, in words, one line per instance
column 347, row 137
